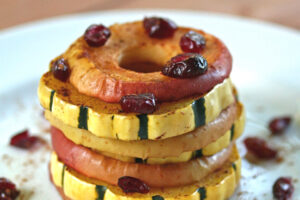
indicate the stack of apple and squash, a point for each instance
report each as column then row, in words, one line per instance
column 143, row 110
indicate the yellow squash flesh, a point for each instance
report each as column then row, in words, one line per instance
column 217, row 186
column 107, row 121
column 119, row 149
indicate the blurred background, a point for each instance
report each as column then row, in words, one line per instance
column 284, row 12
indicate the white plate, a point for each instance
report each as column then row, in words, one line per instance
column 266, row 71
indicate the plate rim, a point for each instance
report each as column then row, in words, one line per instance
column 43, row 21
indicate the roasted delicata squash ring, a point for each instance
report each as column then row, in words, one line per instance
column 223, row 142
column 170, row 147
column 107, row 121
column 217, row 186
column 209, row 150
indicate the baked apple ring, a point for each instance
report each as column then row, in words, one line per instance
column 109, row 170
column 118, row 68
column 218, row 185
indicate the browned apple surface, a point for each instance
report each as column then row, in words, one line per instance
column 109, row 170
column 130, row 63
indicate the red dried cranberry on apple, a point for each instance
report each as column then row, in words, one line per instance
column 60, row 69
column 142, row 103
column 192, row 42
column 259, row 148
column 157, row 27
column 23, row 140
column 279, row 124
column 130, row 184
column 8, row 190
column 96, row 35
column 283, row 188
column 186, row 65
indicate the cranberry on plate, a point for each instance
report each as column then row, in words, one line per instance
column 260, row 148
column 279, row 124
column 283, row 188
column 8, row 190
column 157, row 27
column 23, row 140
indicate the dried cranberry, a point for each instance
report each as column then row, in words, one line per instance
column 186, row 65
column 142, row 103
column 60, row 69
column 96, row 35
column 129, row 184
column 259, row 148
column 23, row 140
column 192, row 42
column 157, row 27
column 8, row 190
column 283, row 188
column 278, row 125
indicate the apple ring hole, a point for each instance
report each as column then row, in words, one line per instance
column 143, row 59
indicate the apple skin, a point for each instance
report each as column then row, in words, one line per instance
column 95, row 165
column 99, row 72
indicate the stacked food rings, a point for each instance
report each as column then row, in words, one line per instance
column 143, row 110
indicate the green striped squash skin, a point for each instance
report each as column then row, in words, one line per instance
column 143, row 131
column 107, row 120
column 202, row 193
column 102, row 189
column 157, row 197
column 198, row 107
column 83, row 118
column 232, row 133
column 51, row 99
column 63, row 176
column 199, row 112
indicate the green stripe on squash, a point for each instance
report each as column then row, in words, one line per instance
column 202, row 193
column 143, row 131
column 100, row 191
column 83, row 117
column 140, row 160
column 51, row 99
column 63, row 176
column 199, row 112
column 232, row 132
column 157, row 197
column 198, row 153
column 234, row 166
